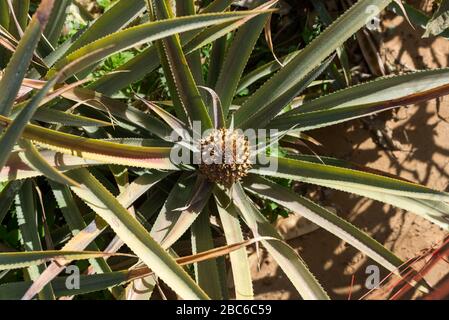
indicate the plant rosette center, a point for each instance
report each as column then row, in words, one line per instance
column 226, row 156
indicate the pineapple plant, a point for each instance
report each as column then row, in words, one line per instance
column 122, row 170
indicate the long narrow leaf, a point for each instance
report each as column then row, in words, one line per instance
column 325, row 219
column 262, row 116
column 311, row 56
column 347, row 179
column 241, row 269
column 18, row 260
column 206, row 272
column 146, row 61
column 236, row 59
column 34, row 159
column 7, row 196
column 56, row 21
column 27, row 219
column 17, row 67
column 143, row 33
column 134, row 235
column 185, row 202
column 288, row 260
column 97, row 150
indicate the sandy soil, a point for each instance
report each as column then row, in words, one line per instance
column 422, row 134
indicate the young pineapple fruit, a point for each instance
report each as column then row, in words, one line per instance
column 226, row 156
